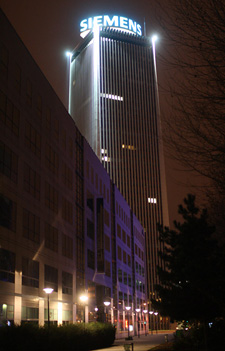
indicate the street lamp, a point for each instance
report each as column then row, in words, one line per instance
column 48, row 291
column 128, row 309
column 145, row 311
column 151, row 321
column 138, row 325
column 156, row 313
column 83, row 299
column 106, row 303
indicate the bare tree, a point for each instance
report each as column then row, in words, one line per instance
column 195, row 62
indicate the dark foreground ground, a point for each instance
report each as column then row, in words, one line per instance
column 144, row 343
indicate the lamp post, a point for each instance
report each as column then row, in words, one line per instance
column 156, row 313
column 48, row 291
column 128, row 309
column 151, row 321
column 145, row 313
column 96, row 313
column 106, row 303
column 138, row 325
column 84, row 298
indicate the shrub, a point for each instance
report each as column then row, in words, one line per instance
column 72, row 337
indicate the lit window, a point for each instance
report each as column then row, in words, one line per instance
column 106, row 158
column 152, row 200
column 111, row 96
column 129, row 147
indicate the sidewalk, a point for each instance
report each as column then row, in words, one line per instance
column 144, row 343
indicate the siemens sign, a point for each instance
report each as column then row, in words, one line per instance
column 122, row 23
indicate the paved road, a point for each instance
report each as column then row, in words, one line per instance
column 144, row 343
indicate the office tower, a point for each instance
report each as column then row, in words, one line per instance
column 114, row 102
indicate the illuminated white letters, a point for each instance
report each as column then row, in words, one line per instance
column 121, row 22
column 114, row 22
column 124, row 22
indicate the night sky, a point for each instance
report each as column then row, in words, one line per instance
column 49, row 28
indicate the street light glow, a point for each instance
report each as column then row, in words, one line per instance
column 68, row 54
column 83, row 298
column 154, row 38
column 48, row 290
column 106, row 303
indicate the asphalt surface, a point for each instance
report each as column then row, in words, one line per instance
column 144, row 343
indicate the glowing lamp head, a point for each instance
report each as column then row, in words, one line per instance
column 128, row 308
column 106, row 303
column 138, row 310
column 83, row 298
column 48, row 290
column 68, row 54
column 154, row 38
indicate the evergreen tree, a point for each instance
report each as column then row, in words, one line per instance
column 192, row 284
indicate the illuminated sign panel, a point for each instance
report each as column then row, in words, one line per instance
column 119, row 22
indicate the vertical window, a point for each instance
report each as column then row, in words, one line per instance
column 51, row 237
column 51, row 159
column 128, row 241
column 129, row 280
column 30, row 272
column 67, row 283
column 17, row 78
column 56, row 128
column 120, row 275
column 64, row 138
column 67, row 176
column 7, row 213
column 96, row 181
column 136, row 265
column 31, row 226
column 118, row 231
column 67, row 210
column 51, row 277
column 124, row 257
column 106, row 217
column 8, row 162
column 119, row 253
column 48, row 118
column 33, row 140
column 107, row 243
column 107, row 268
column 124, row 236
column 9, row 114
column 90, row 259
column 51, row 198
column 90, row 201
column 4, row 62
column 7, row 266
column 90, row 229
column 92, row 175
column 67, row 246
column 29, row 93
column 125, row 278
column 31, row 182
column 70, row 148
column 39, row 107
column 129, row 260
